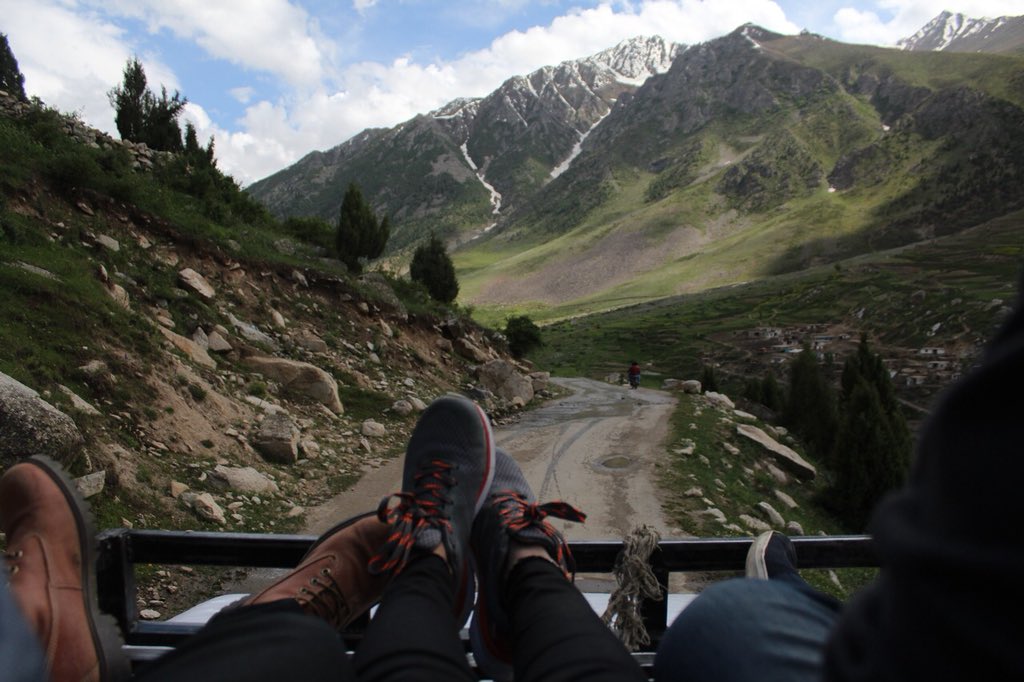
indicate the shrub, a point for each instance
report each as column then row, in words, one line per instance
column 523, row 335
column 432, row 266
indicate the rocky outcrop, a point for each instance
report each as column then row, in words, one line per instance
column 193, row 350
column 786, row 457
column 31, row 426
column 300, row 379
column 501, row 378
column 192, row 280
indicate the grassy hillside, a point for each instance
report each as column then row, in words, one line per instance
column 859, row 150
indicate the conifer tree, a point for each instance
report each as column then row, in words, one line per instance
column 142, row 117
column 872, row 449
column 771, row 394
column 523, row 335
column 432, row 266
column 360, row 235
column 811, row 407
column 708, row 380
column 11, row 78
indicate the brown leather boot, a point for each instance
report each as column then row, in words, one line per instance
column 51, row 558
column 332, row 581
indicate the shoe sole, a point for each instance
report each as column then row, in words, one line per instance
column 106, row 635
column 755, row 566
column 464, row 594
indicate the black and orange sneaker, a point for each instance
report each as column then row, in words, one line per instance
column 449, row 465
column 510, row 515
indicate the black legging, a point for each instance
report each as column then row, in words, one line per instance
column 413, row 636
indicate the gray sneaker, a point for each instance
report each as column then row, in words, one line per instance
column 771, row 556
column 511, row 514
column 449, row 466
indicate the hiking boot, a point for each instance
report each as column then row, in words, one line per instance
column 771, row 556
column 52, row 562
column 510, row 516
column 449, row 464
column 333, row 581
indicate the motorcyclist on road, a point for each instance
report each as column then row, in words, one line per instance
column 634, row 375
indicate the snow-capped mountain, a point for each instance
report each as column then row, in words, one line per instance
column 957, row 33
column 488, row 153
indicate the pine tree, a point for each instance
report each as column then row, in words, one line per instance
column 708, row 380
column 811, row 407
column 432, row 266
column 872, row 449
column 142, row 117
column 360, row 235
column 11, row 78
column 771, row 394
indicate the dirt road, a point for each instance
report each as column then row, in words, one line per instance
column 595, row 449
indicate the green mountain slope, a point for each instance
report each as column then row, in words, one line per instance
column 758, row 154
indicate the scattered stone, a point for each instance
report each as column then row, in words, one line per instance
column 177, row 488
column 715, row 513
column 365, row 445
column 731, row 449
column 277, row 439
column 310, row 448
column 402, row 407
column 194, row 351
column 251, row 332
column 149, row 614
column 373, row 429
column 444, row 345
column 704, row 460
column 785, row 456
column 691, row 387
column 770, row 514
column 242, row 479
column 469, row 350
column 785, row 499
column 541, row 380
column 31, row 426
column 694, row 492
column 91, row 484
column 200, row 338
column 417, row 404
column 720, row 483
column 311, row 342
column 204, row 506
column 720, row 399
column 744, row 415
column 217, row 343
column 108, row 243
column 794, row 528
column 77, row 402
column 501, row 378
column 85, row 208
column 300, row 378
column 278, row 319
column 265, row 406
column 756, row 525
column 780, row 476
column 295, row 511
column 191, row 279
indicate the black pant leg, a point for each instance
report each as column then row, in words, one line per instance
column 557, row 637
column 271, row 642
column 414, row 636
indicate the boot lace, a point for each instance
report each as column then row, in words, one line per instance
column 415, row 512
column 323, row 597
column 519, row 516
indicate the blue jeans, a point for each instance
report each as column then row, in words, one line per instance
column 746, row 629
column 21, row 657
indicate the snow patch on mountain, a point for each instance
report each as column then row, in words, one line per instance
column 958, row 33
column 577, row 148
column 495, row 195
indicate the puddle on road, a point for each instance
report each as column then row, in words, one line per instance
column 615, row 463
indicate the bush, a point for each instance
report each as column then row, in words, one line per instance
column 523, row 335
column 708, row 381
column 432, row 266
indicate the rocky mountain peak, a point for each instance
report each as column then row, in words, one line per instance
column 951, row 32
column 637, row 59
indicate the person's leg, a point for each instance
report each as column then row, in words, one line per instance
column 530, row 619
column 449, row 464
column 21, row 658
column 764, row 630
column 269, row 641
column 411, row 635
column 556, row 635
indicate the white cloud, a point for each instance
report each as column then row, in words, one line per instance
column 361, row 5
column 243, row 94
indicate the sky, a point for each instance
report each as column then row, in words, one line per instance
column 272, row 80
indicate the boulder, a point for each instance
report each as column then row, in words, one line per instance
column 310, row 341
column 794, row 528
column 277, row 439
column 786, row 457
column 177, row 488
column 785, row 499
column 469, row 350
column 242, row 479
column 417, row 404
column 251, row 332
column 204, row 506
column 541, row 380
column 31, row 426
column 691, row 386
column 731, row 449
column 193, row 350
column 501, row 378
column 77, row 402
column 200, row 338
column 108, row 243
column 402, row 407
column 720, row 399
column 217, row 343
column 373, row 429
column 300, row 379
column 670, row 384
column 715, row 513
column 190, row 279
column 756, row 525
column 91, row 484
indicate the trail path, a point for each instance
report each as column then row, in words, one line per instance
column 595, row 449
